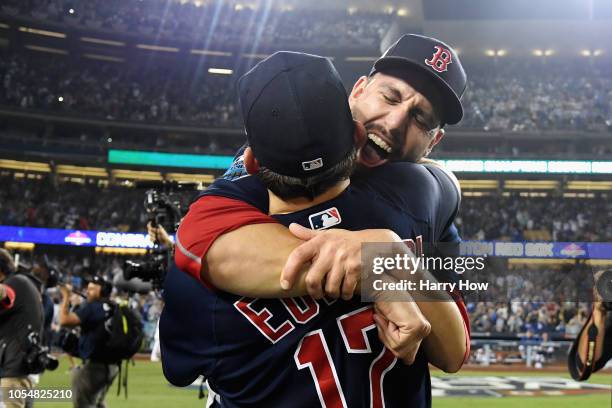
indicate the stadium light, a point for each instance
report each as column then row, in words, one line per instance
column 25, row 166
column 71, row 11
column 60, row 99
column 195, row 51
column 363, row 59
column 597, row 53
column 101, row 57
column 49, row 50
column 220, row 71
column 71, row 170
column 548, row 53
column 501, row 53
column 351, row 10
column 538, row 53
column 238, row 7
column 490, row 53
column 585, row 53
column 45, row 33
column 255, row 55
column 403, row 12
column 103, row 42
column 156, row 48
column 388, row 9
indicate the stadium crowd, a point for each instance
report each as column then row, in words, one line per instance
column 45, row 203
column 115, row 92
column 217, row 22
column 52, row 204
column 551, row 218
column 518, row 97
column 524, row 95
column 532, row 301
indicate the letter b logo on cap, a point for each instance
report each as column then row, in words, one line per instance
column 440, row 60
column 312, row 164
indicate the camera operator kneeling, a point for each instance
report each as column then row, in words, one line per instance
column 92, row 380
column 21, row 323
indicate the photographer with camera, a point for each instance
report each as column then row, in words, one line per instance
column 92, row 380
column 21, row 324
column 159, row 235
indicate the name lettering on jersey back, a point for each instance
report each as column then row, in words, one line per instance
column 265, row 315
column 416, row 246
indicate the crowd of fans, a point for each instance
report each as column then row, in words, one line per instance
column 524, row 96
column 531, row 301
column 517, row 97
column 216, row 22
column 107, row 91
column 45, row 203
column 544, row 218
column 52, row 204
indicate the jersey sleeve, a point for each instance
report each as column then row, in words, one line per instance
column 458, row 298
column 208, row 218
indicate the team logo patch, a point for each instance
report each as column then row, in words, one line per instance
column 325, row 219
column 312, row 164
column 440, row 59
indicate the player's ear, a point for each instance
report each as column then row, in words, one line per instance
column 250, row 162
column 358, row 88
column 435, row 140
column 360, row 135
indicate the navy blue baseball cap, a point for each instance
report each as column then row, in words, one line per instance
column 432, row 67
column 296, row 114
column 107, row 287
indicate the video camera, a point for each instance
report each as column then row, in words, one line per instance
column 37, row 357
column 162, row 210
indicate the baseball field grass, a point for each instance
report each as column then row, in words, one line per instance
column 149, row 389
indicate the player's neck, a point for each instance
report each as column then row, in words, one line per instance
column 280, row 206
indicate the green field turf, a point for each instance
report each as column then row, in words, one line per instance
column 149, row 389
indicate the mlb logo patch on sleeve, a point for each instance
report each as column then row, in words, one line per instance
column 325, row 219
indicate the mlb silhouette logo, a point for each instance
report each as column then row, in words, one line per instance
column 325, row 219
column 313, row 164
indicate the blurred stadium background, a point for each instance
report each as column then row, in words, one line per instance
column 99, row 94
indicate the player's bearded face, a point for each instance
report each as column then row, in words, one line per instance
column 398, row 120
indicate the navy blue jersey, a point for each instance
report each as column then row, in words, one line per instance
column 300, row 352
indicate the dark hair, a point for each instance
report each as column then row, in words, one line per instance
column 287, row 187
column 7, row 264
